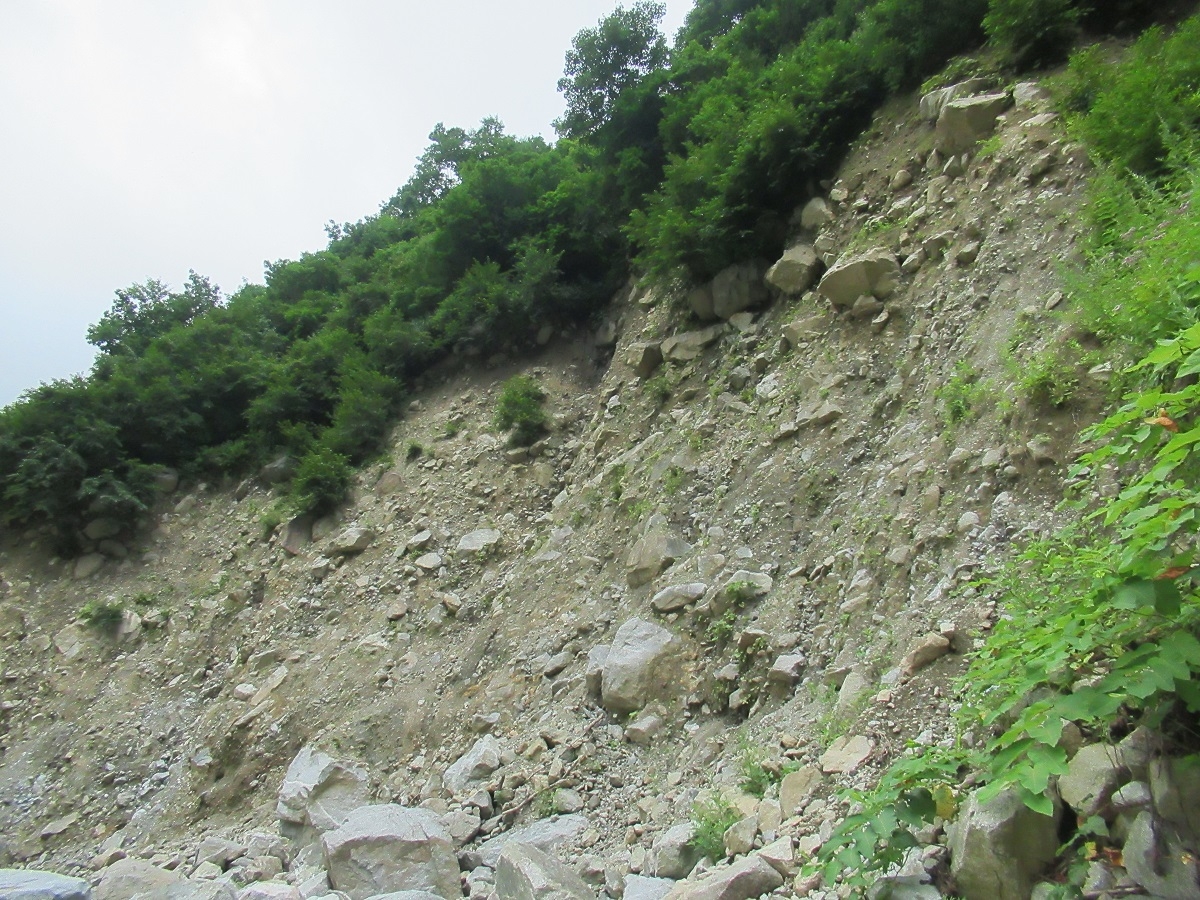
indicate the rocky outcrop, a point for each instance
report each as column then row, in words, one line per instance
column 32, row 884
column 473, row 767
column 639, row 667
column 544, row 834
column 999, row 848
column 386, row 848
column 964, row 122
column 796, row 271
column 654, row 552
column 871, row 274
column 526, row 873
column 318, row 793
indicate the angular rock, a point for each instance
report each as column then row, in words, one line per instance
column 796, row 271
column 744, row 586
column 815, row 215
column 428, row 562
column 739, row 837
column 644, row 357
column 934, row 102
column 797, row 787
column 674, row 853
column 594, row 673
column 700, row 302
column 129, row 877
column 656, row 550
column 354, row 539
column 33, row 884
column 737, row 288
column 526, row 873
column 786, row 670
column 297, row 535
column 780, row 855
column 872, row 274
column 318, row 793
column 474, row 767
column 640, row 667
column 644, row 729
column 480, row 540
column 964, row 122
column 682, row 348
column 846, row 754
column 639, row 887
column 544, row 834
column 268, row 890
column 1092, row 776
column 1000, row 848
column 88, row 565
column 800, row 330
column 1160, row 861
column 930, row 648
column 677, row 596
column 100, row 529
column 386, row 848
column 279, row 471
column 748, row 877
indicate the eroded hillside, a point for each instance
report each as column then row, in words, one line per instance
column 792, row 499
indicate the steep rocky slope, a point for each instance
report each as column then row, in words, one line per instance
column 795, row 502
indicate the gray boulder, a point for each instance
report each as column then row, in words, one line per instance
column 677, row 596
column 526, row 873
column 674, row 853
column 193, row 890
column 318, row 793
column 870, row 274
column 544, row 834
column 640, row 667
column 963, row 123
column 700, row 302
column 644, row 357
column 748, row 877
column 738, row 288
column 658, row 548
column 479, row 541
column 999, row 848
column 796, row 271
column 683, row 348
column 354, row 539
column 1159, row 861
column 1093, row 774
column 639, row 887
column 934, row 102
column 33, row 884
column 386, row 848
column 131, row 877
column 474, row 766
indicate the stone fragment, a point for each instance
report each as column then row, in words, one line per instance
column 999, row 849
column 34, row 884
column 386, row 848
column 526, row 873
column 931, row 647
column 644, row 357
column 683, row 348
column 544, row 834
column 318, row 793
column 268, row 890
column 474, row 767
column 354, row 539
column 964, row 122
column 640, row 667
column 428, row 562
column 677, row 596
column 700, row 302
column 639, row 887
column 1175, row 785
column 219, row 851
column 873, row 274
column 815, row 215
column 658, row 548
column 796, row 271
column 297, row 535
column 1091, row 777
column 797, row 787
column 786, row 671
column 780, row 855
column 70, row 641
column 738, row 287
column 644, row 729
column 803, row 329
column 739, row 837
column 279, row 470
column 935, row 101
column 130, row 877
column 101, row 529
column 746, row 878
column 481, row 540
column 88, row 565
column 846, row 754
column 674, row 853
column 1158, row 860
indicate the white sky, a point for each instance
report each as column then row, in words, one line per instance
column 144, row 138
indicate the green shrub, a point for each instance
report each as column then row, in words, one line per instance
column 519, row 411
column 104, row 615
column 962, row 396
column 711, row 819
column 321, row 481
column 1029, row 32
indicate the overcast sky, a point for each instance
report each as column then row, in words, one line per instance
column 144, row 138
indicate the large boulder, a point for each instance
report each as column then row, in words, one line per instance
column 748, row 877
column 1158, row 860
column 675, row 853
column 738, row 288
column 386, row 848
column 32, row 884
column 963, row 123
column 796, row 271
column 870, row 274
column 526, row 873
column 544, row 834
column 318, row 793
column 640, row 667
column 131, row 877
column 644, row 357
column 935, row 101
column 683, row 348
column 473, row 767
column 999, row 848
column 657, row 549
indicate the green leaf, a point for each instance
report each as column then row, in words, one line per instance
column 1038, row 802
column 1168, row 601
column 1134, row 594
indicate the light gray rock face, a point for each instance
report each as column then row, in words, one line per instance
column 639, row 887
column 796, row 271
column 796, row 789
column 674, row 855
column 748, row 877
column 269, row 890
column 683, row 348
column 406, row 895
column 473, row 767
column 1093, row 774
column 815, row 215
column 193, row 890
column 130, row 877
column 318, row 793
column 870, row 274
column 526, row 873
column 386, row 848
column 934, row 102
column 1159, row 861
column 352, row 540
column 32, row 884
column 738, row 288
column 700, row 302
column 479, row 541
column 677, row 596
column 297, row 535
column 999, row 849
column 639, row 667
column 846, row 754
column 653, row 553
column 1175, row 786
column 963, row 123
column 930, row 648
column 544, row 834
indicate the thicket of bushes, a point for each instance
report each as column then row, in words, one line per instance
column 671, row 161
